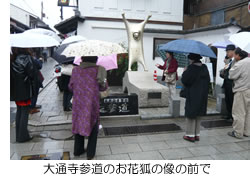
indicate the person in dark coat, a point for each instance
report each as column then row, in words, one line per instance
column 196, row 81
column 67, row 94
column 38, row 80
column 228, row 83
column 22, row 84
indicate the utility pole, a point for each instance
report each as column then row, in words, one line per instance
column 61, row 13
column 42, row 10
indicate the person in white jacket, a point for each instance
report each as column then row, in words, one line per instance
column 239, row 73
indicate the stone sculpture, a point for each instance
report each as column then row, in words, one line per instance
column 135, row 42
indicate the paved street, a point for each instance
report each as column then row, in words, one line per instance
column 214, row 144
column 51, row 129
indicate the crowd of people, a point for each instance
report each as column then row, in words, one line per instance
column 196, row 80
column 86, row 82
column 88, row 79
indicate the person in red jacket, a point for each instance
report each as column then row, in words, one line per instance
column 170, row 73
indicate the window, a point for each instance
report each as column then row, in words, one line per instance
column 181, row 58
column 217, row 17
column 158, row 41
column 188, row 7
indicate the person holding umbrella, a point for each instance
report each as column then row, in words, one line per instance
column 196, row 80
column 239, row 73
column 170, row 73
column 38, row 79
column 86, row 82
column 67, row 94
column 22, row 84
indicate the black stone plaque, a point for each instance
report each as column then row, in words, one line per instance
column 119, row 104
column 154, row 95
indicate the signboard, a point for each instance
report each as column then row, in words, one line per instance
column 63, row 3
column 119, row 104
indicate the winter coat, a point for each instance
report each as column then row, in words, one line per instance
column 38, row 83
column 65, row 82
column 172, row 67
column 228, row 82
column 22, row 78
column 196, row 81
column 239, row 73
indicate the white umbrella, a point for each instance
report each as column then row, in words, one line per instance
column 93, row 48
column 242, row 40
column 73, row 39
column 29, row 40
column 44, row 32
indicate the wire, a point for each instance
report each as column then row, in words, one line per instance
column 29, row 7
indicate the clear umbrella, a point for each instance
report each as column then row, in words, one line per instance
column 44, row 32
column 93, row 48
column 72, row 39
column 29, row 40
column 242, row 40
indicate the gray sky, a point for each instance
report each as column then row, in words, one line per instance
column 50, row 8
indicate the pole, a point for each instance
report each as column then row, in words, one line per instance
column 42, row 10
column 61, row 12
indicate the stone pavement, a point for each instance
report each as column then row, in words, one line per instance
column 214, row 144
column 51, row 129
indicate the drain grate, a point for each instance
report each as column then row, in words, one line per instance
column 109, row 131
column 217, row 123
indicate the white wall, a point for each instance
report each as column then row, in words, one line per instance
column 116, row 32
column 19, row 15
column 161, row 10
column 209, row 37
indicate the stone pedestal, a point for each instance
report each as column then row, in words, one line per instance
column 174, row 107
column 221, row 104
column 150, row 93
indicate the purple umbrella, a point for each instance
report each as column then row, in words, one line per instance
column 222, row 44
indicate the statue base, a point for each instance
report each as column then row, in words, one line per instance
column 150, row 93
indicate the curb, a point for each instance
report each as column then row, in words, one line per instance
column 50, row 81
column 166, row 116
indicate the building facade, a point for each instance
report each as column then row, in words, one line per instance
column 201, row 13
column 22, row 18
column 205, row 21
column 103, row 21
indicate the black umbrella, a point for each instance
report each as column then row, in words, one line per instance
column 62, row 59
